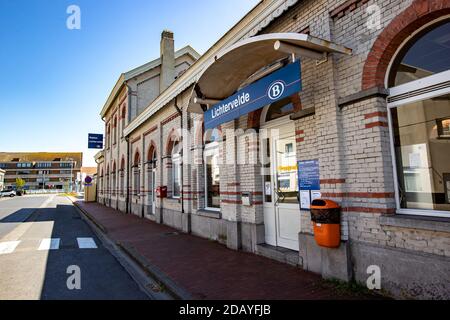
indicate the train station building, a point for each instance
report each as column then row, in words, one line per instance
column 301, row 100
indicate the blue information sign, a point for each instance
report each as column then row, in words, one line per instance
column 276, row 86
column 95, row 141
column 309, row 175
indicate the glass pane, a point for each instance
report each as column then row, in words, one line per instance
column 427, row 56
column 287, row 173
column 423, row 153
column 266, row 171
column 212, row 181
column 280, row 109
column 176, row 179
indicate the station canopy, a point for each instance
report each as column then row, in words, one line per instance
column 229, row 69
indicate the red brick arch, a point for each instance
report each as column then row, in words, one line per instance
column 151, row 149
column 419, row 13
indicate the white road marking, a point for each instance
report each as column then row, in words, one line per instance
column 49, row 244
column 86, row 243
column 47, row 202
column 8, row 247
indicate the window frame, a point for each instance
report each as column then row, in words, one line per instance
column 176, row 166
column 210, row 149
column 401, row 90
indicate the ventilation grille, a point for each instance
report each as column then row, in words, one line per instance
column 419, row 92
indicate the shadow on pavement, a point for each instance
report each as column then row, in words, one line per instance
column 101, row 276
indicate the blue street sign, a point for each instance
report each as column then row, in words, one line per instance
column 95, row 141
column 276, row 86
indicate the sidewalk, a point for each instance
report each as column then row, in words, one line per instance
column 202, row 269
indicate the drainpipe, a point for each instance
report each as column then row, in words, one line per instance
column 127, row 139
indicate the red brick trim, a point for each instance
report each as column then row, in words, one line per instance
column 332, row 181
column 365, row 195
column 171, row 118
column 376, row 124
column 299, row 132
column 232, row 193
column 346, row 7
column 300, row 140
column 375, row 114
column 135, row 140
column 255, row 203
column 419, row 13
column 151, row 130
column 370, row 210
column 231, row 202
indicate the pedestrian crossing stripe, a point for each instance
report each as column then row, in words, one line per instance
column 86, row 243
column 49, row 244
column 8, row 247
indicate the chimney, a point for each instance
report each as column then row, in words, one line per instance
column 167, row 76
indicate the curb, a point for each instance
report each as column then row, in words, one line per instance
column 91, row 218
column 175, row 290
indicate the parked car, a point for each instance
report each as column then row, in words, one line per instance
column 8, row 193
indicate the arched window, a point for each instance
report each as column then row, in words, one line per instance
column 419, row 118
column 122, row 176
column 100, row 181
column 115, row 130
column 177, row 158
column 113, row 174
column 427, row 54
column 108, row 186
column 279, row 109
column 108, row 135
column 137, row 173
column 124, row 117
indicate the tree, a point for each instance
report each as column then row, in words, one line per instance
column 20, row 183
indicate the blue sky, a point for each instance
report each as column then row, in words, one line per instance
column 54, row 81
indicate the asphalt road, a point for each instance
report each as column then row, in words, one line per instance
column 42, row 241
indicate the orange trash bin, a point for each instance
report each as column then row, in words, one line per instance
column 326, row 218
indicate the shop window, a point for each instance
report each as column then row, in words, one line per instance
column 420, row 123
column 426, row 55
column 280, row 109
column 423, row 157
column 212, row 176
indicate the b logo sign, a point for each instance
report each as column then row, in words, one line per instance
column 276, row 90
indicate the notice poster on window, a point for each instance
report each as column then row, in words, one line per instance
column 309, row 182
column 305, row 199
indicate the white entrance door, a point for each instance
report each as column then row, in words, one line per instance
column 280, row 181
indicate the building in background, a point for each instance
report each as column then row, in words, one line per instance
column 82, row 175
column 2, row 179
column 41, row 170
